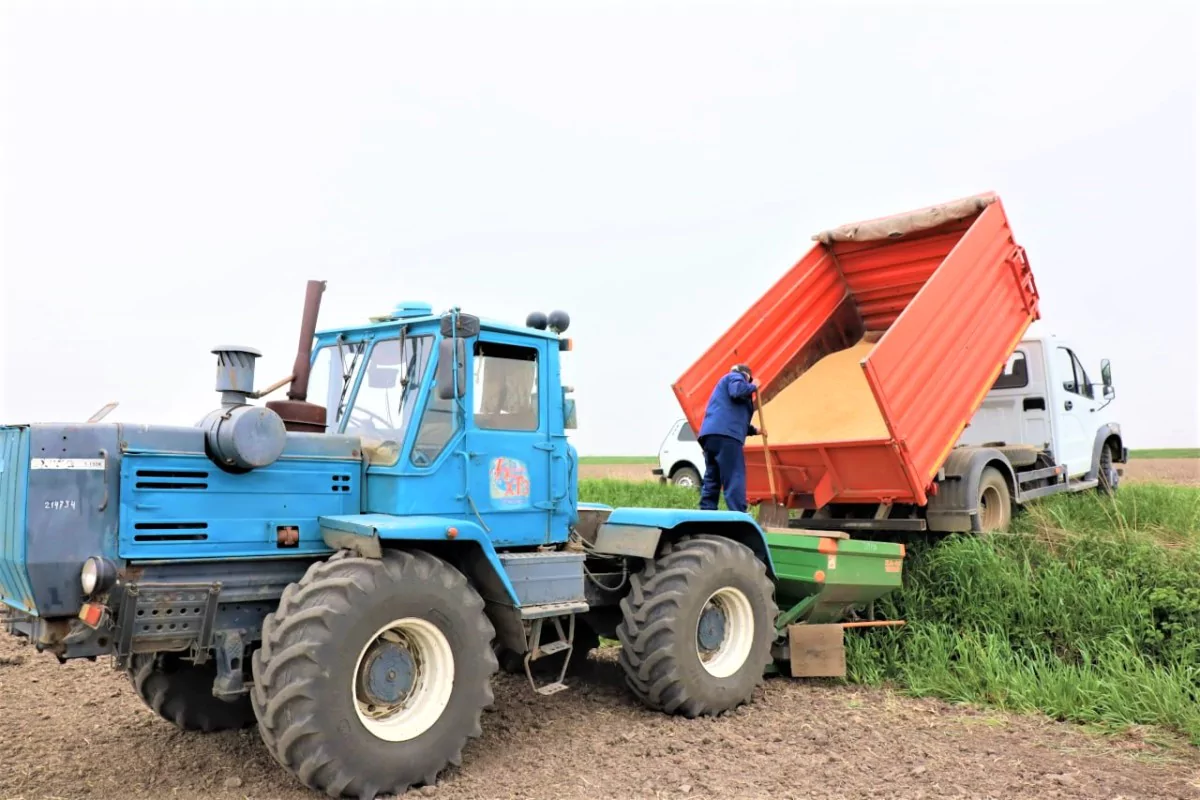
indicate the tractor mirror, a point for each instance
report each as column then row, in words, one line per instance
column 452, row 358
column 382, row 377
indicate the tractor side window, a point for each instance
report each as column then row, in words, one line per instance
column 332, row 376
column 439, row 424
column 1015, row 374
column 505, row 387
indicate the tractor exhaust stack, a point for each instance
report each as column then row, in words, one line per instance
column 297, row 413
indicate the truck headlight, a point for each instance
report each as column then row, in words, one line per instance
column 97, row 575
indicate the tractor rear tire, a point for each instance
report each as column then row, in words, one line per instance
column 181, row 692
column 374, row 673
column 697, row 627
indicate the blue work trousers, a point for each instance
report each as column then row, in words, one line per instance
column 724, row 469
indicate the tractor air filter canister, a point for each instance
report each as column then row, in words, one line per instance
column 244, row 437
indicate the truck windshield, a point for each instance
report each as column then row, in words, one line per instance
column 387, row 396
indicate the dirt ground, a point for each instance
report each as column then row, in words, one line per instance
column 78, row 731
column 1169, row 470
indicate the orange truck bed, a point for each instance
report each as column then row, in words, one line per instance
column 936, row 299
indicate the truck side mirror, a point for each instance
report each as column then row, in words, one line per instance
column 452, row 358
column 1106, row 372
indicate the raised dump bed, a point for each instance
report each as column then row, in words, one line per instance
column 873, row 352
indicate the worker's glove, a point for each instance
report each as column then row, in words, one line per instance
column 753, row 431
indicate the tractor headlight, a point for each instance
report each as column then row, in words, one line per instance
column 97, row 575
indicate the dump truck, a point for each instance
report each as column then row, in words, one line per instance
column 904, row 384
column 349, row 574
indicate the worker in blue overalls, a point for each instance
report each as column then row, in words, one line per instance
column 722, row 437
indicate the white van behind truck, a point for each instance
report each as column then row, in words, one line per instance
column 680, row 458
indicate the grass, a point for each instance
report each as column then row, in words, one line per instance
column 613, row 460
column 1088, row 611
column 1177, row 452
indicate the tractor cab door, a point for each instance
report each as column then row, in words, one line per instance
column 508, row 442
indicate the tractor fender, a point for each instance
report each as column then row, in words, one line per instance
column 1107, row 431
column 641, row 532
column 366, row 535
column 461, row 542
column 955, row 507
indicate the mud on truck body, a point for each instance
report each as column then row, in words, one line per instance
column 349, row 574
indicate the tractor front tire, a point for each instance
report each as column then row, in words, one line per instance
column 697, row 627
column 181, row 692
column 373, row 674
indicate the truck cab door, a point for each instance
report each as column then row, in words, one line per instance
column 510, row 450
column 1074, row 403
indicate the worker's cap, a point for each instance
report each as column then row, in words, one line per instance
column 742, row 368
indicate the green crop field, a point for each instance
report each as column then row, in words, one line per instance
column 607, row 460
column 1177, row 452
column 1089, row 611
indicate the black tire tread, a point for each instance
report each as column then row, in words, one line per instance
column 289, row 636
column 184, row 697
column 647, row 612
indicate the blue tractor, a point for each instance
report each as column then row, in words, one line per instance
column 349, row 574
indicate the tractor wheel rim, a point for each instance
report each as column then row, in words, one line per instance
column 725, row 632
column 403, row 679
column 990, row 512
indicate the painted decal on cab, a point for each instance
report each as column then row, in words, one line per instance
column 509, row 481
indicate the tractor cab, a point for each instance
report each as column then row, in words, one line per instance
column 457, row 417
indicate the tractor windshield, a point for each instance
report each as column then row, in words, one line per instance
column 387, row 396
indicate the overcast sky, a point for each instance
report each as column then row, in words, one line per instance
column 173, row 173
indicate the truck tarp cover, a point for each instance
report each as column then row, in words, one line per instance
column 938, row 298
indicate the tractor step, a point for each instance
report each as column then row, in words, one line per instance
column 551, row 649
column 563, row 643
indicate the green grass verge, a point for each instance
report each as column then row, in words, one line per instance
column 1089, row 611
column 1178, row 452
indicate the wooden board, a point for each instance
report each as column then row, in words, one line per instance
column 817, row 651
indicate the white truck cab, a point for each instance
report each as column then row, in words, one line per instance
column 1045, row 410
column 1048, row 401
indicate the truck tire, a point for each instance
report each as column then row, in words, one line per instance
column 697, row 627
column 181, row 692
column 373, row 673
column 586, row 640
column 995, row 501
column 1108, row 477
column 686, row 477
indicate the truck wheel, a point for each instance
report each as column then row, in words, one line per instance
column 995, row 502
column 586, row 640
column 373, row 674
column 687, row 477
column 1109, row 479
column 181, row 692
column 697, row 627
